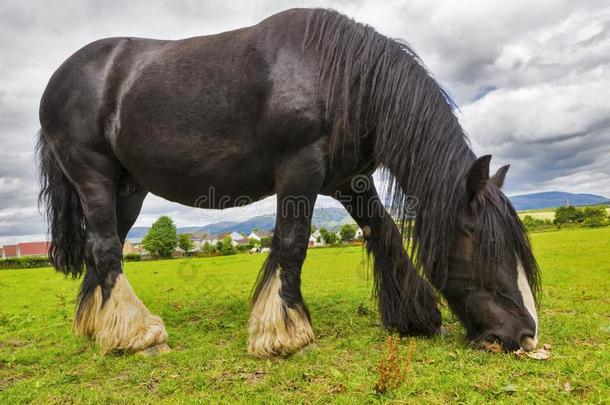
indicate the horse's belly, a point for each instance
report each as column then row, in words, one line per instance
column 202, row 175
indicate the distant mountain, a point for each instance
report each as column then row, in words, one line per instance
column 214, row 228
column 262, row 223
column 137, row 232
column 553, row 199
column 330, row 218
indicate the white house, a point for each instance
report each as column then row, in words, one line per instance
column 199, row 243
column 314, row 239
column 253, row 235
column 235, row 236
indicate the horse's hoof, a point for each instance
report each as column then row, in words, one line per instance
column 155, row 350
column 442, row 331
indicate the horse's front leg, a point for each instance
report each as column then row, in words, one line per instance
column 407, row 303
column 279, row 322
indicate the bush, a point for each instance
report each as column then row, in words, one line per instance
column 226, row 246
column 132, row 257
column 26, row 262
column 588, row 216
column 594, row 215
column 536, row 224
column 347, row 233
column 593, row 222
column 243, row 248
column 185, row 243
column 265, row 242
column 330, row 238
column 207, row 250
column 568, row 215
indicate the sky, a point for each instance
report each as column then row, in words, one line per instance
column 531, row 78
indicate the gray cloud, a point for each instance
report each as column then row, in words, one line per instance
column 532, row 80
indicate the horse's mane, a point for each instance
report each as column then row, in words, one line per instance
column 378, row 87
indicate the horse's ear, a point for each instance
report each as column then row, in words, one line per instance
column 478, row 175
column 498, row 178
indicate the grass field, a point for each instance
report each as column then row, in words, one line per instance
column 204, row 303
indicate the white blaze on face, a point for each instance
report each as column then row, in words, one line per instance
column 528, row 298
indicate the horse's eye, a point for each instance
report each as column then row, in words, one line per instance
column 468, row 228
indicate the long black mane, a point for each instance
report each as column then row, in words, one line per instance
column 378, row 87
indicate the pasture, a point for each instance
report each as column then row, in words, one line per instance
column 204, row 303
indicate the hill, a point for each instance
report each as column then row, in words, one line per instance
column 553, row 199
column 330, row 218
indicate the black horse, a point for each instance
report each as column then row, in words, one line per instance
column 306, row 102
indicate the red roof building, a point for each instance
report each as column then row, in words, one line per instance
column 33, row 249
column 10, row 251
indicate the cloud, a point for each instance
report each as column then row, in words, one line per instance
column 549, row 115
column 532, row 80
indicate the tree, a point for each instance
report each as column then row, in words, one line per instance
column 595, row 212
column 207, row 249
column 161, row 239
column 594, row 216
column 265, row 242
column 227, row 246
column 185, row 243
column 329, row 237
column 347, row 233
column 313, row 228
column 534, row 224
column 568, row 215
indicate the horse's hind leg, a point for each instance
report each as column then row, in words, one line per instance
column 128, row 208
column 280, row 322
column 108, row 309
column 406, row 301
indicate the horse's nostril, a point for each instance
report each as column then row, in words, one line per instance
column 528, row 343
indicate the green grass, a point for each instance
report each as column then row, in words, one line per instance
column 204, row 303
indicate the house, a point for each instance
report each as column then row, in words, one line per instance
column 33, row 249
column 199, row 240
column 211, row 242
column 253, row 235
column 25, row 249
column 317, row 239
column 236, row 238
column 136, row 246
column 130, row 248
column 10, row 251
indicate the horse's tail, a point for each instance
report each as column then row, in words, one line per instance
column 64, row 213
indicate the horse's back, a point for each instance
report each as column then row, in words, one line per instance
column 193, row 111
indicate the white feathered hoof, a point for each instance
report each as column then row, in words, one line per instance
column 275, row 329
column 123, row 323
